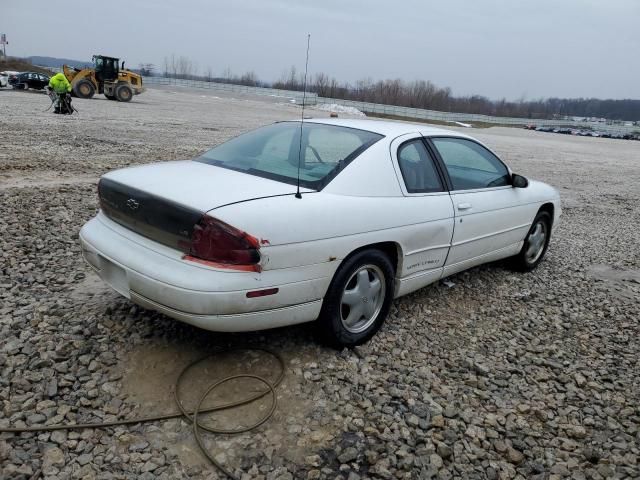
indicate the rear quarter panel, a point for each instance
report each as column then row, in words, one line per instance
column 324, row 227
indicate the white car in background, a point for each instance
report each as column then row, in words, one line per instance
column 225, row 242
column 4, row 77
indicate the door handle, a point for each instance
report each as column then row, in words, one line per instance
column 464, row 206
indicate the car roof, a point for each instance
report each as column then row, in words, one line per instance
column 388, row 128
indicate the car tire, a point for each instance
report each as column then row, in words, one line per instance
column 358, row 299
column 84, row 89
column 535, row 243
column 124, row 93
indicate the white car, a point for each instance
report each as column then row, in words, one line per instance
column 325, row 220
column 4, row 77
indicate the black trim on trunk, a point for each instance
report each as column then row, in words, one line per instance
column 154, row 217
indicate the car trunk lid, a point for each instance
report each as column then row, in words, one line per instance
column 165, row 201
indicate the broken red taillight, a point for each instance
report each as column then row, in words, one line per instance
column 218, row 244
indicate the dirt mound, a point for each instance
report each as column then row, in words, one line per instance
column 21, row 65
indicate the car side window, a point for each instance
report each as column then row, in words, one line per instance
column 418, row 168
column 470, row 165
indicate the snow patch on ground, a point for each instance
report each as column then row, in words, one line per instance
column 335, row 108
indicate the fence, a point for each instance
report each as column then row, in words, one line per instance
column 450, row 117
column 394, row 110
column 231, row 87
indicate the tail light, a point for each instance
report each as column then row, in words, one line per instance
column 216, row 243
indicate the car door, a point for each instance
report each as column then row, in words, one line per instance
column 491, row 217
column 425, row 244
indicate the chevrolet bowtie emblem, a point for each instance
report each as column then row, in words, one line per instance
column 133, row 204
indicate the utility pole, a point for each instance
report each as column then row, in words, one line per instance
column 3, row 41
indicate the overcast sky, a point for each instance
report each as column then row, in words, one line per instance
column 496, row 48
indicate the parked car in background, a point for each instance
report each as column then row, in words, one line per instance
column 26, row 80
column 329, row 221
column 4, row 77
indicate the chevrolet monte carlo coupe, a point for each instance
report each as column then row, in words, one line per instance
column 323, row 220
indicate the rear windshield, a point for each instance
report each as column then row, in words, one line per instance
column 273, row 152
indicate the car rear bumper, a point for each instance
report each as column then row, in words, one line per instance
column 157, row 277
column 241, row 322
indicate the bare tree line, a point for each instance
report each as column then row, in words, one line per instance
column 182, row 67
column 426, row 95
column 415, row 94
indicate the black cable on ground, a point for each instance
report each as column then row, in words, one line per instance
column 192, row 416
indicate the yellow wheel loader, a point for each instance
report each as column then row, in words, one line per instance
column 105, row 77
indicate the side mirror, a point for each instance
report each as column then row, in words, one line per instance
column 518, row 181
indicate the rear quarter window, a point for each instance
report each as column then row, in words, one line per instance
column 417, row 168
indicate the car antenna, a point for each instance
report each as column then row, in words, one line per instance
column 304, row 97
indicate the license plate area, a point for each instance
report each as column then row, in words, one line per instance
column 115, row 276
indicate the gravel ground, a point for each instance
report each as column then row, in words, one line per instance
column 494, row 375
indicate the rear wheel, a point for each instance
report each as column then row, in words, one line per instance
column 124, row 93
column 358, row 299
column 84, row 89
column 535, row 243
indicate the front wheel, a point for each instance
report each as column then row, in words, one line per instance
column 84, row 89
column 124, row 93
column 358, row 299
column 535, row 243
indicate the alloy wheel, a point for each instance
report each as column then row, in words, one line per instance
column 536, row 242
column 362, row 298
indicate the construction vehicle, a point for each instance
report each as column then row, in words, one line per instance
column 106, row 77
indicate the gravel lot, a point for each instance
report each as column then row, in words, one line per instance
column 497, row 375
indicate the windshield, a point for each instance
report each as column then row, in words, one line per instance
column 273, row 152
